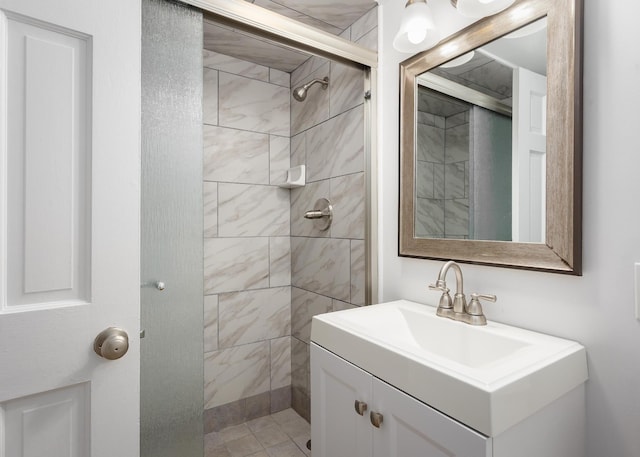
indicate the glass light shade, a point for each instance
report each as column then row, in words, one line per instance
column 464, row 58
column 482, row 8
column 417, row 30
column 530, row 29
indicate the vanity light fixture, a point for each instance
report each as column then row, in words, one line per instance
column 480, row 8
column 417, row 29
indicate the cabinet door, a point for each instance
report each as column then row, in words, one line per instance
column 412, row 429
column 337, row 430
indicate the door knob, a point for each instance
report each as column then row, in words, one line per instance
column 111, row 343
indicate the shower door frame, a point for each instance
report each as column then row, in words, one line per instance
column 289, row 32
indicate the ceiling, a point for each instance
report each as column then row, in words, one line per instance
column 483, row 74
column 332, row 16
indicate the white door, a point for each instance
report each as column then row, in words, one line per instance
column 410, row 428
column 338, row 429
column 529, row 156
column 69, row 226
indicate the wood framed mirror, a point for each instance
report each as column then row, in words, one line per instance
column 522, row 207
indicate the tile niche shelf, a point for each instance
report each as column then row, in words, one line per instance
column 295, row 178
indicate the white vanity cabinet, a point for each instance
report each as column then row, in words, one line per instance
column 443, row 388
column 336, row 385
column 409, row 428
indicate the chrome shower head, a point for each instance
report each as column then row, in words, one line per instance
column 300, row 93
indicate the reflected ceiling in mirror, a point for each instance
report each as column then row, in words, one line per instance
column 480, row 168
column 486, row 192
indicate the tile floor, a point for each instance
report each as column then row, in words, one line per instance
column 283, row 434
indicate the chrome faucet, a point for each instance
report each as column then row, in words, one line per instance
column 447, row 308
column 457, row 309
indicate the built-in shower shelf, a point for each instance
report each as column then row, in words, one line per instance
column 295, row 178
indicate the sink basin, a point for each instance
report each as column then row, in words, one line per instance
column 417, row 331
column 487, row 377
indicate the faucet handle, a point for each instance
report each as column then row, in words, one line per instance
column 445, row 306
column 475, row 315
column 488, row 297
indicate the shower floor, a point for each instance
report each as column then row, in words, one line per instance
column 283, row 434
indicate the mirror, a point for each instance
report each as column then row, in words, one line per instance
column 480, row 148
column 490, row 151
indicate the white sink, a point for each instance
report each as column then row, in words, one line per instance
column 487, row 377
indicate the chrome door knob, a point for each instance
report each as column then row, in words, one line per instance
column 111, row 343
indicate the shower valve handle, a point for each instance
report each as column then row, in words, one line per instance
column 322, row 214
column 316, row 214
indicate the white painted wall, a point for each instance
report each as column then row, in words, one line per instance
column 596, row 309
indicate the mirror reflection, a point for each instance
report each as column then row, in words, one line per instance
column 480, row 162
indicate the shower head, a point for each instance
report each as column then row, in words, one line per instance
column 300, row 93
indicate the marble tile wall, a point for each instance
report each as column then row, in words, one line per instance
column 483, row 74
column 442, row 176
column 430, row 176
column 327, row 135
column 247, row 246
column 267, row 269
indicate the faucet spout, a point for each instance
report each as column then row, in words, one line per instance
column 457, row 270
column 459, row 300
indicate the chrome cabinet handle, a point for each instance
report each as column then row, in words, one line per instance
column 111, row 343
column 376, row 419
column 361, row 407
column 160, row 285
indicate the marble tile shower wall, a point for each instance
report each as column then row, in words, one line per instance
column 257, row 243
column 247, row 250
column 327, row 135
column 442, row 171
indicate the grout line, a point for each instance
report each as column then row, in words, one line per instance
column 218, row 98
column 244, row 130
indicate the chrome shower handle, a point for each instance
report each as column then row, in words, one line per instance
column 316, row 214
column 322, row 213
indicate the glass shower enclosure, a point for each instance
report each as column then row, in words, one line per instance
column 171, row 384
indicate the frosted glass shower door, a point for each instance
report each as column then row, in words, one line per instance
column 171, row 380
column 490, row 175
